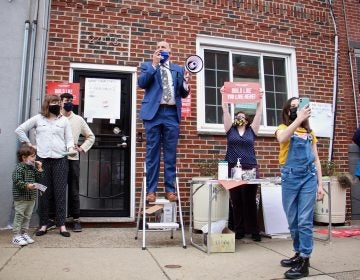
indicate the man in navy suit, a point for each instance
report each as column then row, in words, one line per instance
column 165, row 83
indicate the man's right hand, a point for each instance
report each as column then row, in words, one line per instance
column 156, row 58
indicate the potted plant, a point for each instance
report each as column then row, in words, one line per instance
column 338, row 182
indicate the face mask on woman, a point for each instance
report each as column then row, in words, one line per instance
column 54, row 109
column 293, row 113
column 239, row 122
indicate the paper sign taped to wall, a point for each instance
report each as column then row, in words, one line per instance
column 241, row 92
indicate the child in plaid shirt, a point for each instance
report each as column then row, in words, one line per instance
column 26, row 173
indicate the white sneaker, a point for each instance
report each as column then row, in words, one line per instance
column 19, row 240
column 27, row 238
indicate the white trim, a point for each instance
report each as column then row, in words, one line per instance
column 242, row 46
column 133, row 72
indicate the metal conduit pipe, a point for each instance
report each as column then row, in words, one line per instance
column 23, row 71
column 30, row 69
column 351, row 65
column 335, row 82
column 45, row 29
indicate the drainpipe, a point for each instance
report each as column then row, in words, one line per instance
column 44, row 39
column 23, row 72
column 351, row 64
column 335, row 82
column 30, row 70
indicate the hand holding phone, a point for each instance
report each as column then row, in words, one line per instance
column 303, row 101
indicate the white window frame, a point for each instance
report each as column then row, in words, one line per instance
column 240, row 46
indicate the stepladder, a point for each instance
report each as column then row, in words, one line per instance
column 159, row 216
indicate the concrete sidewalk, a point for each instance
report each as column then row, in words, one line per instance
column 113, row 253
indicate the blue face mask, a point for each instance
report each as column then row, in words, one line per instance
column 164, row 57
column 68, row 106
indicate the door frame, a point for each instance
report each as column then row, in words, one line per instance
column 133, row 72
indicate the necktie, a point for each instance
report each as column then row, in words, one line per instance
column 165, row 84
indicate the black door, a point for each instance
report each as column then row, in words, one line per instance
column 105, row 168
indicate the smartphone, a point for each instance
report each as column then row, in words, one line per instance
column 303, row 101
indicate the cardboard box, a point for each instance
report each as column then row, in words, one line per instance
column 222, row 242
column 169, row 212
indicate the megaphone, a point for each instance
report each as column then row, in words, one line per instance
column 194, row 64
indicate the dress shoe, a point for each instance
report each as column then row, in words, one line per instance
column 40, row 232
column 65, row 233
column 77, row 226
column 300, row 270
column 172, row 197
column 151, row 197
column 256, row 237
column 292, row 261
column 239, row 235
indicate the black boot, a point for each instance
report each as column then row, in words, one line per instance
column 292, row 261
column 299, row 271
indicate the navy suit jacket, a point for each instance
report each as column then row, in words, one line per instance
column 150, row 80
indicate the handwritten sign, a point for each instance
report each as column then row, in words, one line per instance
column 321, row 119
column 59, row 88
column 186, row 107
column 241, row 92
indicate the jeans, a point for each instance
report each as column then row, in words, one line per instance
column 299, row 187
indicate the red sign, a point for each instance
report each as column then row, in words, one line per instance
column 241, row 92
column 59, row 88
column 186, row 107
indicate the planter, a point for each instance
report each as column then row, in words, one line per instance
column 338, row 204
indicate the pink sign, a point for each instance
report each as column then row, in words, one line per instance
column 241, row 92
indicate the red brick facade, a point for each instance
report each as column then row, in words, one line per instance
column 305, row 24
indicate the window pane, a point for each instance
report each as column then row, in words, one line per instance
column 222, row 61
column 210, row 96
column 245, row 68
column 275, row 88
column 279, row 67
column 210, row 80
column 216, row 73
column 268, row 68
column 280, row 84
column 269, row 83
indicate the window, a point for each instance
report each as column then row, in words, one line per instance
column 272, row 66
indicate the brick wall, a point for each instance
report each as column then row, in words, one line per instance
column 97, row 32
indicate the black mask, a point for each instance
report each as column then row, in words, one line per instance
column 293, row 113
column 68, row 106
column 54, row 109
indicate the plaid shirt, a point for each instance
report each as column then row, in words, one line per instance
column 22, row 175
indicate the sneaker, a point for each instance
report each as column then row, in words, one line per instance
column 77, row 226
column 50, row 225
column 19, row 240
column 27, row 238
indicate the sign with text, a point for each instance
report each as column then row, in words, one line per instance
column 59, row 88
column 241, row 92
column 186, row 107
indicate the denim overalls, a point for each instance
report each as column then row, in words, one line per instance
column 299, row 188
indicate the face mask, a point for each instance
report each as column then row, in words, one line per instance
column 293, row 113
column 54, row 109
column 164, row 57
column 68, row 106
column 239, row 122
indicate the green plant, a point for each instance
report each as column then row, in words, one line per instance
column 328, row 168
column 208, row 167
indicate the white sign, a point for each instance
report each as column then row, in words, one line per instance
column 321, row 120
column 102, row 98
column 275, row 221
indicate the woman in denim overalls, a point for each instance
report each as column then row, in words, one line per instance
column 301, row 183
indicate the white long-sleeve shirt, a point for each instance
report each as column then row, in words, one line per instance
column 79, row 126
column 53, row 136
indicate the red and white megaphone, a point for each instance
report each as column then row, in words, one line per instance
column 194, row 64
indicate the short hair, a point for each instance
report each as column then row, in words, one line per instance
column 25, row 150
column 45, row 105
column 66, row 95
